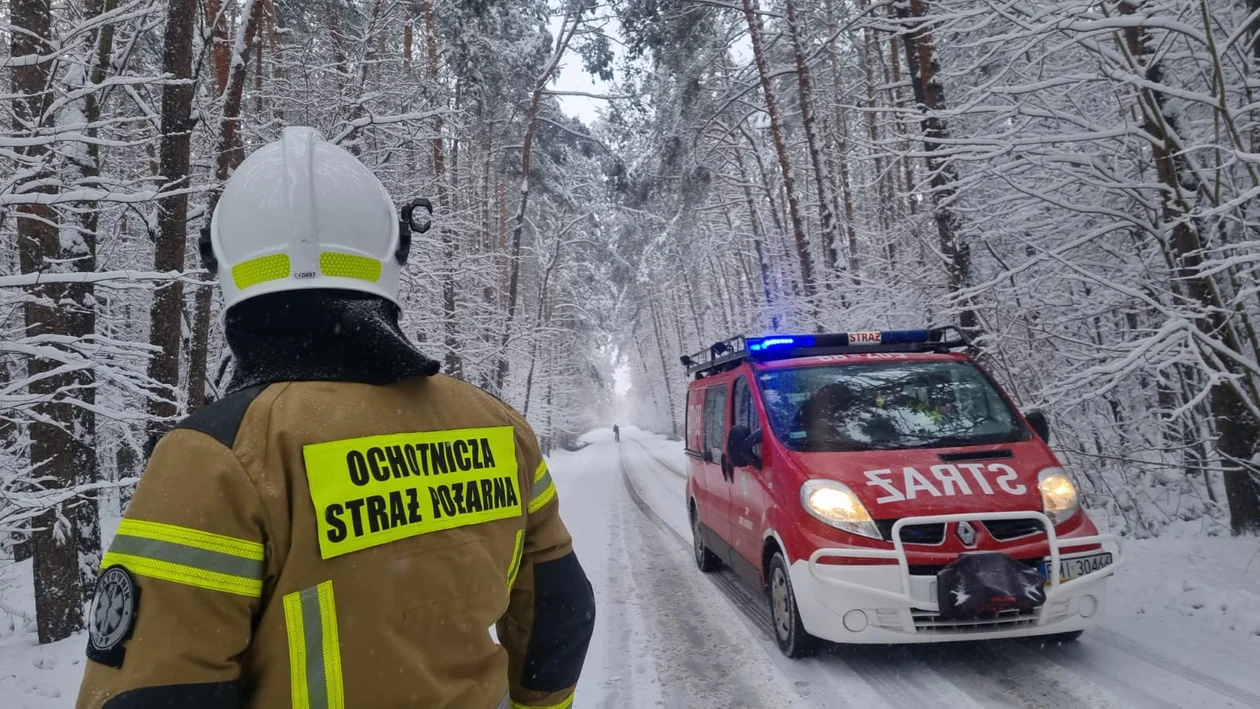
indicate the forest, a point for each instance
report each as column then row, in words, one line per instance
column 1073, row 183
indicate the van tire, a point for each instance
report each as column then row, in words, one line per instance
column 789, row 632
column 706, row 560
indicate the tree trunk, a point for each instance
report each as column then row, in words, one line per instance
column 220, row 47
column 920, row 58
column 757, row 232
column 869, row 56
column 567, row 27
column 539, row 323
column 842, row 147
column 1238, row 430
column 80, row 320
column 277, row 55
column 660, row 349
column 231, row 152
column 822, row 181
column 907, row 168
column 785, row 164
column 450, row 326
column 58, row 608
column 168, row 255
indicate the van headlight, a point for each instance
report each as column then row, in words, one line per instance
column 1058, row 495
column 835, row 505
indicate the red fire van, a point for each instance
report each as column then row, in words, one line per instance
column 881, row 487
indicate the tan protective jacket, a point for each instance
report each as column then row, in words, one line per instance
column 331, row 545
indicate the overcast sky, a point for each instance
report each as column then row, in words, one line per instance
column 573, row 78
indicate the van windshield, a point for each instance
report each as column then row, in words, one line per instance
column 887, row 405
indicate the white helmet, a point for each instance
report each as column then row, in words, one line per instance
column 302, row 213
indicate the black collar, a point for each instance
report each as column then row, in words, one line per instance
column 320, row 335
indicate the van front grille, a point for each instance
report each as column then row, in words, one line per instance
column 1005, row 529
column 913, row 533
column 926, row 621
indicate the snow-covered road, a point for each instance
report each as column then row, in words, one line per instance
column 1184, row 630
column 670, row 636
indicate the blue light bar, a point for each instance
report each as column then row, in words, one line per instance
column 779, row 342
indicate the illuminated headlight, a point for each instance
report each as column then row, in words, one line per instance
column 1058, row 495
column 835, row 505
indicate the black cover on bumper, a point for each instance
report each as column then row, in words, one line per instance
column 984, row 583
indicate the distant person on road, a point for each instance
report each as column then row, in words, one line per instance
column 616, row 433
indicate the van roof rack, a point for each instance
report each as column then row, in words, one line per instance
column 727, row 354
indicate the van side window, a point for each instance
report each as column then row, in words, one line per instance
column 742, row 412
column 714, row 420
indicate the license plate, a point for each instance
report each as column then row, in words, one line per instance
column 1076, row 566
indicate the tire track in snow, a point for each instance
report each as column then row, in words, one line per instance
column 653, row 456
column 884, row 684
column 1119, row 642
column 699, row 662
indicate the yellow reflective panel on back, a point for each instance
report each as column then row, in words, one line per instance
column 379, row 489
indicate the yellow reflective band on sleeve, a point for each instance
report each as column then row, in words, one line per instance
column 193, row 538
column 188, row 556
column 310, row 617
column 380, row 489
column 260, row 270
column 543, row 490
column 363, row 268
column 568, row 702
column 517, row 552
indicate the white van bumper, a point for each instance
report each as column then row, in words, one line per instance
column 885, row 604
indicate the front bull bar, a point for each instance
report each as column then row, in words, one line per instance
column 898, row 554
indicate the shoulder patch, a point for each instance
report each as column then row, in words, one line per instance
column 112, row 616
column 222, row 419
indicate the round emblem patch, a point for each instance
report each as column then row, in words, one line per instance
column 113, row 613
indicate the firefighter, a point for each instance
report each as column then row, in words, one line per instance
column 343, row 528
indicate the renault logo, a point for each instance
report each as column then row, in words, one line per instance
column 966, row 534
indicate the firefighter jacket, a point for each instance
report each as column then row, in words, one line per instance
column 331, row 544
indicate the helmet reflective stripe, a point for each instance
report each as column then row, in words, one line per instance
column 303, row 213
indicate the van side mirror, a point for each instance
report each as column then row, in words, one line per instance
column 1039, row 423
column 740, row 447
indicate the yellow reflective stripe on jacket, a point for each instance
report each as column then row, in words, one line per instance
column 517, row 553
column 310, row 616
column 543, row 489
column 188, row 556
column 568, row 702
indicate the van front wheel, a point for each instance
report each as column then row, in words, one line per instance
column 786, row 618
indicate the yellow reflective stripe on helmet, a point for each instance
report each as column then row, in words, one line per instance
column 565, row 704
column 363, row 268
column 310, row 617
column 543, row 489
column 260, row 270
column 517, row 553
column 188, row 556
